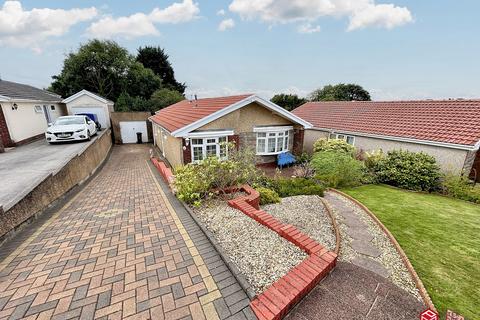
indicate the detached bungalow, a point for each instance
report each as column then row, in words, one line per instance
column 449, row 130
column 25, row 112
column 191, row 130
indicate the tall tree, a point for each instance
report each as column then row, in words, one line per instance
column 288, row 101
column 106, row 68
column 164, row 97
column 340, row 92
column 156, row 59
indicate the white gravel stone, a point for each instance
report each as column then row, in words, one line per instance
column 308, row 214
column 389, row 258
column 258, row 252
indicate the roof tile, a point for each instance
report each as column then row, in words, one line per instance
column 447, row 121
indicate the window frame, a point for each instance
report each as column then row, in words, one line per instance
column 342, row 136
column 205, row 142
column 277, row 134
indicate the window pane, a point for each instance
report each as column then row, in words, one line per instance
column 211, row 150
column 332, row 136
column 350, row 139
column 271, row 145
column 211, row 140
column 260, row 145
column 280, row 134
column 280, row 144
column 261, row 135
column 197, row 153
column 273, row 134
column 341, row 137
column 197, row 141
column 286, row 143
column 222, row 139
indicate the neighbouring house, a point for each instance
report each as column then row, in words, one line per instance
column 449, row 130
column 25, row 112
column 191, row 130
column 89, row 102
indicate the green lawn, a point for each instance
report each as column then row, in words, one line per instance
column 441, row 237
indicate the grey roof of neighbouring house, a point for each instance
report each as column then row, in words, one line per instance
column 13, row 91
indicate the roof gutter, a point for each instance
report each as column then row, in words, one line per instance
column 410, row 140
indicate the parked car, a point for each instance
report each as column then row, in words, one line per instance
column 70, row 128
column 92, row 117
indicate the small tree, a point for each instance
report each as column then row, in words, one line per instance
column 338, row 145
column 340, row 92
column 288, row 101
column 164, row 97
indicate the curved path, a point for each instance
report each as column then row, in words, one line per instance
column 121, row 248
column 359, row 288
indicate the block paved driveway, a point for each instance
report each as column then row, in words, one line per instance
column 118, row 250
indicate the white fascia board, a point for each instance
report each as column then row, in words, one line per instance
column 402, row 139
column 209, row 134
column 88, row 93
column 220, row 113
column 272, row 129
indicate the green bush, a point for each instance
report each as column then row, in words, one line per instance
column 268, row 196
column 195, row 182
column 338, row 145
column 372, row 158
column 338, row 169
column 408, row 170
column 297, row 186
column 460, row 187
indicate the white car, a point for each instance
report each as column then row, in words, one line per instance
column 70, row 128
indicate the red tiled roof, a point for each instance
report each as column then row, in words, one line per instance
column 446, row 121
column 185, row 112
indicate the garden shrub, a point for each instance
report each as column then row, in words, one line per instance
column 337, row 145
column 461, row 188
column 195, row 182
column 372, row 158
column 408, row 170
column 338, row 169
column 297, row 186
column 268, row 196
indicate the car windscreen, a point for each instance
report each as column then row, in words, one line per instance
column 67, row 121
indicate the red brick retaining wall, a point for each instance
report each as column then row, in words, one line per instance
column 165, row 172
column 281, row 296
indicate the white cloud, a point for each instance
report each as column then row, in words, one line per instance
column 141, row 24
column 226, row 24
column 176, row 13
column 23, row 28
column 361, row 13
column 221, row 12
column 308, row 28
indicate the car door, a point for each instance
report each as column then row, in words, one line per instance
column 90, row 125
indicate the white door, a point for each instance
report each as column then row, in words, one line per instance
column 99, row 111
column 129, row 129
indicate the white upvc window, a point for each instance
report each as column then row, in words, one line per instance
column 209, row 146
column 272, row 140
column 347, row 138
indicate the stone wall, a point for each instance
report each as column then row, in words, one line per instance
column 116, row 117
column 74, row 173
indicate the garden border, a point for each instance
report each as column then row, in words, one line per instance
column 418, row 282
column 280, row 297
column 338, row 237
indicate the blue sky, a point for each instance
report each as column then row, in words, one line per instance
column 396, row 49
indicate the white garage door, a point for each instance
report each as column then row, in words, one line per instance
column 129, row 129
column 99, row 111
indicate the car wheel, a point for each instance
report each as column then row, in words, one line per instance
column 89, row 137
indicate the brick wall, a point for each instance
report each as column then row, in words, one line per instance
column 4, row 134
column 55, row 186
column 298, row 137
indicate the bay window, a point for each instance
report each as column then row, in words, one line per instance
column 272, row 140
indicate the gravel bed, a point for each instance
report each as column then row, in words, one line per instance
column 389, row 258
column 258, row 252
column 308, row 214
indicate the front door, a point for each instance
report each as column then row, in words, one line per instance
column 46, row 112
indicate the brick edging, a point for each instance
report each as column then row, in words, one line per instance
column 418, row 282
column 338, row 237
column 165, row 172
column 286, row 292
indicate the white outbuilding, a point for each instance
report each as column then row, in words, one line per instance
column 89, row 102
